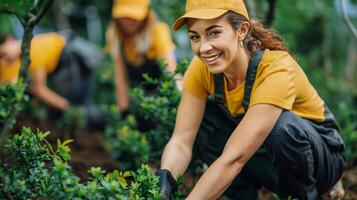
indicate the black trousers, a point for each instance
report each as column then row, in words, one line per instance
column 297, row 163
column 307, row 165
column 296, row 160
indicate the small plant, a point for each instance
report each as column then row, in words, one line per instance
column 125, row 142
column 72, row 121
column 11, row 103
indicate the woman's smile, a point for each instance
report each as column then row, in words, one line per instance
column 212, row 59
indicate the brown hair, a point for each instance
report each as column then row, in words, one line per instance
column 258, row 37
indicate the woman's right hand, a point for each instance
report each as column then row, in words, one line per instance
column 168, row 184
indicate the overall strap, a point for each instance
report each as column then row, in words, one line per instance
column 219, row 88
column 250, row 78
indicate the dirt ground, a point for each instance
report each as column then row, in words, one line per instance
column 87, row 151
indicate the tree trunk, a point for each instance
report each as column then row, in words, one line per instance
column 270, row 15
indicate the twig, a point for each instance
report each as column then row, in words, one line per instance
column 43, row 10
column 13, row 12
column 347, row 20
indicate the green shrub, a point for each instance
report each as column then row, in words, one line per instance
column 160, row 108
column 36, row 171
column 124, row 142
column 11, row 103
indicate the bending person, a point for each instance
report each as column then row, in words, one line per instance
column 61, row 73
column 136, row 40
column 264, row 125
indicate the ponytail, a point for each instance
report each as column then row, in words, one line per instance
column 258, row 36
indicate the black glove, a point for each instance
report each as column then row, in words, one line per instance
column 168, row 184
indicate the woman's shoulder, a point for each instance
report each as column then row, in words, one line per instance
column 275, row 55
column 278, row 58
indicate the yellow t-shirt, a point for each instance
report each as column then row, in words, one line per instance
column 45, row 52
column 280, row 81
column 159, row 42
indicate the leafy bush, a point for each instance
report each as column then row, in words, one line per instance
column 11, row 103
column 35, row 171
column 125, row 142
column 122, row 137
column 11, row 97
column 161, row 108
column 72, row 121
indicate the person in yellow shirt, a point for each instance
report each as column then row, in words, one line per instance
column 136, row 40
column 249, row 112
column 60, row 77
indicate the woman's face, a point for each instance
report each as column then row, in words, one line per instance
column 128, row 26
column 215, row 42
column 10, row 50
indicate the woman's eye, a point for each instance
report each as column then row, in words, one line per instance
column 193, row 37
column 214, row 33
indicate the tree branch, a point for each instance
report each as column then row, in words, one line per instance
column 41, row 12
column 13, row 12
column 347, row 20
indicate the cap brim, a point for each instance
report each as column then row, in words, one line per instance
column 134, row 12
column 198, row 14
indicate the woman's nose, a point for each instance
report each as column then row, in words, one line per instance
column 205, row 47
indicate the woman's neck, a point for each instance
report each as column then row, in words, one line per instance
column 236, row 72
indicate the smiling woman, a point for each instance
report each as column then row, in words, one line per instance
column 249, row 112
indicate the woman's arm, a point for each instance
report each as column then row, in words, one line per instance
column 243, row 143
column 38, row 87
column 178, row 151
column 121, row 84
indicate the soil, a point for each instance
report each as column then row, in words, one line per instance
column 88, row 151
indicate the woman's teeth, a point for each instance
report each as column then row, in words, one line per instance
column 212, row 58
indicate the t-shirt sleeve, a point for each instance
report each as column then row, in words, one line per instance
column 196, row 80
column 162, row 39
column 276, row 83
column 39, row 56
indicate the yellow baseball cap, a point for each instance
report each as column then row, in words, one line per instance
column 135, row 9
column 210, row 9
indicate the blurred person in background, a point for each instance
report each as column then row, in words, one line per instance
column 137, row 40
column 60, row 72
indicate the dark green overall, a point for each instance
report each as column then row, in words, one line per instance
column 136, row 72
column 135, row 77
column 217, row 126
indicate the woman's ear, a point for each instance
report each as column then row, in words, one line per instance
column 244, row 29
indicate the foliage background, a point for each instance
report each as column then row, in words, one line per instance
column 314, row 31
